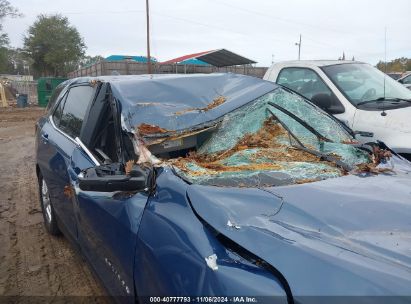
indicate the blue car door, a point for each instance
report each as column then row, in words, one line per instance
column 107, row 221
column 57, row 144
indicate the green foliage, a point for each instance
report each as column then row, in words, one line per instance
column 55, row 46
column 90, row 60
column 6, row 9
column 397, row 65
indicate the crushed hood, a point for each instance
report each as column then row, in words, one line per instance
column 350, row 233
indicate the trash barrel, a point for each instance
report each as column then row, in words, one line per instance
column 22, row 100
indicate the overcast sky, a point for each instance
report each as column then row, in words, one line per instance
column 256, row 29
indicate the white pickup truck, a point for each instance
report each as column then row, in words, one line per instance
column 371, row 103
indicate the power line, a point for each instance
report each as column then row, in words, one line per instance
column 271, row 17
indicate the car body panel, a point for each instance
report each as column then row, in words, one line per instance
column 108, row 225
column 173, row 245
column 325, row 227
column 393, row 128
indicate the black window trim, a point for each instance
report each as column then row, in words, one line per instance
column 50, row 106
column 113, row 102
column 63, row 99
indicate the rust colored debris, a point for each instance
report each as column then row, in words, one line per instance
column 129, row 165
column 215, row 103
column 68, row 191
column 94, row 82
column 265, row 137
column 306, row 180
column 145, row 129
column 350, row 142
column 378, row 155
column 269, row 148
column 372, row 168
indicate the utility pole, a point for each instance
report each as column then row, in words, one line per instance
column 148, row 39
column 299, row 48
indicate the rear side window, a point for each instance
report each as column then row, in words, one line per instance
column 74, row 110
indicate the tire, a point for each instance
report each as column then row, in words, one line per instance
column 50, row 219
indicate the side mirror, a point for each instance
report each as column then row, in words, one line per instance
column 107, row 178
column 328, row 103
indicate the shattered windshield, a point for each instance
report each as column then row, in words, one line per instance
column 277, row 139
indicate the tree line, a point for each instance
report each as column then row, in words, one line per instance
column 397, row 65
column 51, row 46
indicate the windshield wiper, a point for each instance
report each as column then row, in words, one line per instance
column 302, row 122
column 383, row 99
column 290, row 133
column 300, row 146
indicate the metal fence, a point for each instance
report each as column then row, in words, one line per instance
column 136, row 68
column 26, row 87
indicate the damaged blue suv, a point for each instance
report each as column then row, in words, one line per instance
column 222, row 187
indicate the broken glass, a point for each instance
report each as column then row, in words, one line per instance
column 259, row 145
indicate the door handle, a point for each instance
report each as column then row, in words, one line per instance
column 45, row 137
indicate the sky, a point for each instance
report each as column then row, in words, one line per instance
column 262, row 30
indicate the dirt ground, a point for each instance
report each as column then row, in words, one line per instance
column 33, row 263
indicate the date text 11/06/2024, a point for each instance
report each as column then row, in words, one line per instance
column 234, row 299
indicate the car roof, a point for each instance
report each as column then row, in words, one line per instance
column 315, row 63
column 180, row 101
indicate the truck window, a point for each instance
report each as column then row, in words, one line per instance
column 304, row 81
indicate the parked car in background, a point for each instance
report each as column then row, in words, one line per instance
column 395, row 75
column 406, row 81
column 221, row 185
column 374, row 105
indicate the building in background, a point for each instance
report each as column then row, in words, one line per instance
column 140, row 59
column 220, row 60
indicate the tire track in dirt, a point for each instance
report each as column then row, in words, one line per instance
column 33, row 263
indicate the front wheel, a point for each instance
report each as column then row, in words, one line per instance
column 50, row 220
